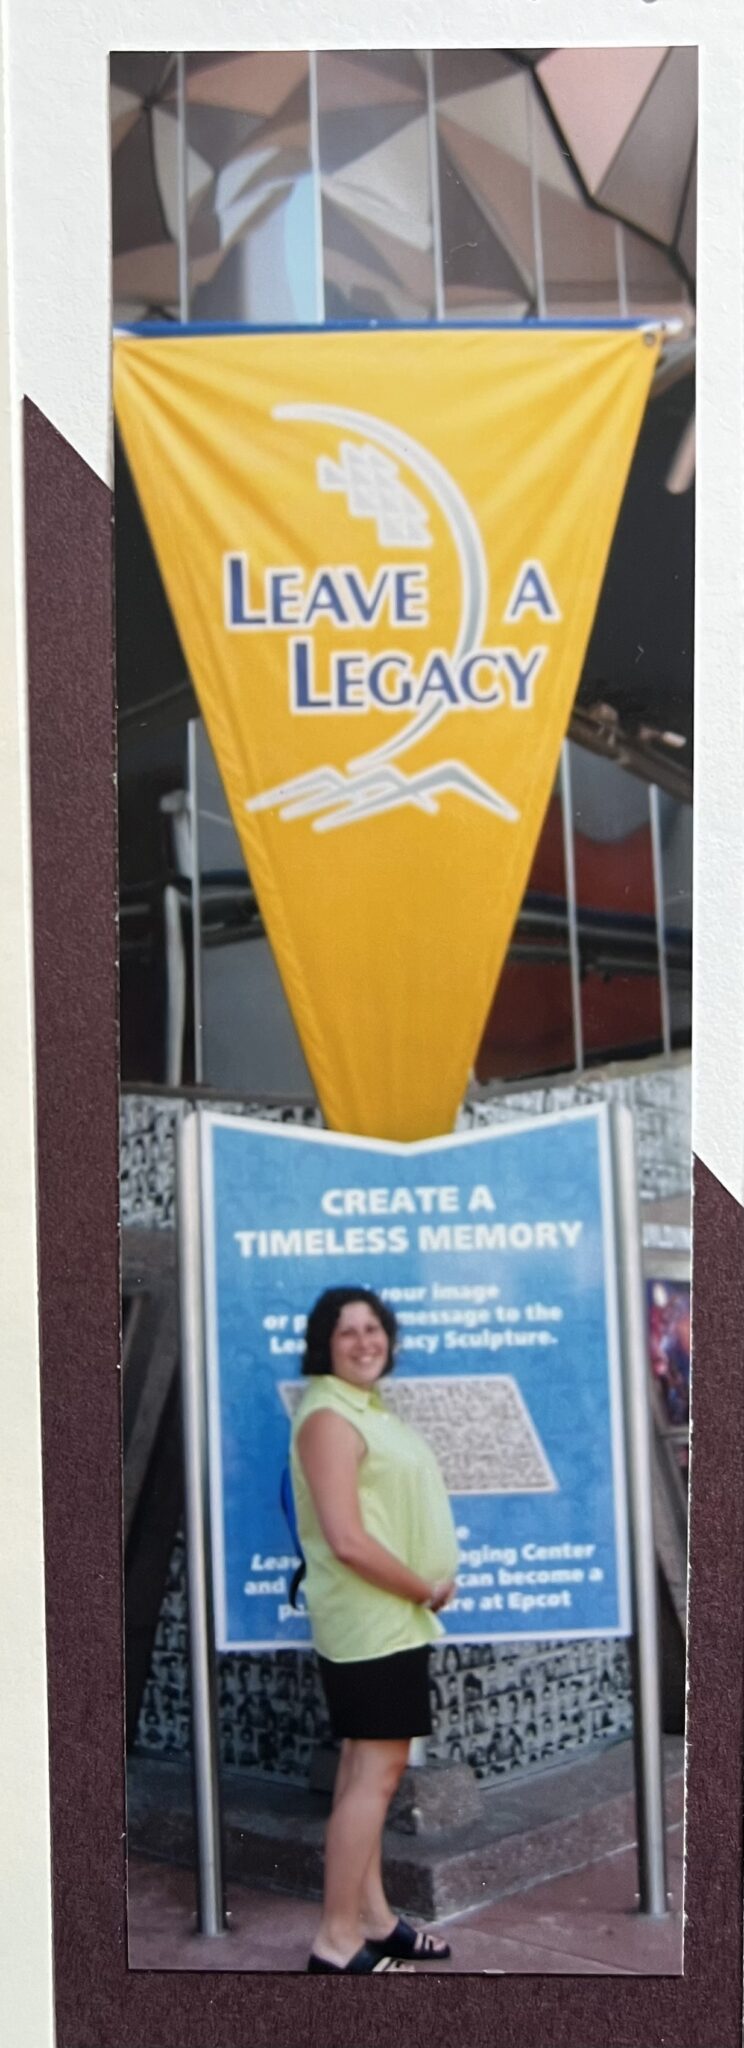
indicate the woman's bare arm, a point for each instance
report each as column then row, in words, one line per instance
column 330, row 1452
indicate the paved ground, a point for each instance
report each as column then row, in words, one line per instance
column 585, row 1923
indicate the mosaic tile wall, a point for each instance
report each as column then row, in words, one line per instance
column 658, row 1096
column 500, row 1710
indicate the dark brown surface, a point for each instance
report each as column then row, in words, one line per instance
column 100, row 2004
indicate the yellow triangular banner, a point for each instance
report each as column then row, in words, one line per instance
column 383, row 552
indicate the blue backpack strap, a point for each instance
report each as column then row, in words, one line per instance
column 286, row 1496
column 289, row 1511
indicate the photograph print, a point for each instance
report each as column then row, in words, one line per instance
column 404, row 363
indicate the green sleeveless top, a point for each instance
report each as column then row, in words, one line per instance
column 404, row 1504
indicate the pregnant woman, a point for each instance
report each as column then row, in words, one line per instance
column 376, row 1529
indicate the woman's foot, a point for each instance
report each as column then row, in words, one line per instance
column 406, row 1942
column 366, row 1962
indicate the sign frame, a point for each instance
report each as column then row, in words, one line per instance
column 599, row 1115
column 645, row 1656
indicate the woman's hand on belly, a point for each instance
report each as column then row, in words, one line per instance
column 441, row 1594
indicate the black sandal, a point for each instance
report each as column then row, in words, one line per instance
column 405, row 1941
column 370, row 1960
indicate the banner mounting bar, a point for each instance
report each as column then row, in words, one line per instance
column 180, row 330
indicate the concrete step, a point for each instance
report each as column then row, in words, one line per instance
column 447, row 1852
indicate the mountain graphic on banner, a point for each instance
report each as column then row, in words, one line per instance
column 347, row 797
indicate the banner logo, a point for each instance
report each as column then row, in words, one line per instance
column 468, row 676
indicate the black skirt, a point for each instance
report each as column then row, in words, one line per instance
column 379, row 1699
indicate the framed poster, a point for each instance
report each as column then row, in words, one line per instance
column 507, row 1359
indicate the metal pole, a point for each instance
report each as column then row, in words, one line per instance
column 183, row 192
column 196, row 917
column 573, row 923
column 658, row 867
column 649, row 1766
column 204, row 1722
column 535, row 195
column 317, row 188
column 436, row 197
column 175, row 968
column 622, row 274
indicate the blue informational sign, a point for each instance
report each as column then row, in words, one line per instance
column 496, row 1250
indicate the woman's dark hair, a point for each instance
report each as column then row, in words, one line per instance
column 324, row 1316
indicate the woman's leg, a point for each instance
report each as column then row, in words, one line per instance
column 368, row 1775
column 377, row 1916
column 343, row 1770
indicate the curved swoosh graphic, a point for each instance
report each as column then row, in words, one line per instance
column 464, row 532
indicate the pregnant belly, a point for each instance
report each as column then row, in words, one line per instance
column 422, row 1534
column 437, row 1563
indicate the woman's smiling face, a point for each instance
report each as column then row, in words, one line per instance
column 359, row 1346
